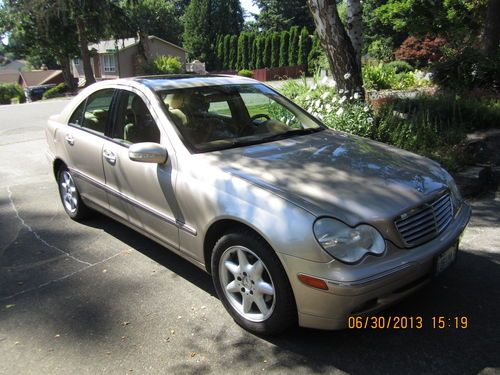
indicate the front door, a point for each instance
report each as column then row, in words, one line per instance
column 141, row 193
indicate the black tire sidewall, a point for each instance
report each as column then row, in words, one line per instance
column 284, row 314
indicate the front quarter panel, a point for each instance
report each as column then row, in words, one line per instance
column 207, row 194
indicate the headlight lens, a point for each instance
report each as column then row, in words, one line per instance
column 348, row 244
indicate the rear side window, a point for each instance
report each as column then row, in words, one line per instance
column 95, row 115
column 76, row 117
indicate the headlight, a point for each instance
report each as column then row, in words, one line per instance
column 348, row 244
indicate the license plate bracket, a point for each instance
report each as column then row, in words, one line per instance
column 445, row 259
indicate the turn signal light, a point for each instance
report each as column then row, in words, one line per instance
column 313, row 281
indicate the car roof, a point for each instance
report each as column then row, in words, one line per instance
column 166, row 82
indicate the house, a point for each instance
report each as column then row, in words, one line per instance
column 32, row 78
column 120, row 58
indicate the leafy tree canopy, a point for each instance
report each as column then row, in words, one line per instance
column 280, row 15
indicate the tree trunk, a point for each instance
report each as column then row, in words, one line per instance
column 145, row 48
column 491, row 32
column 66, row 70
column 337, row 45
column 354, row 25
column 84, row 51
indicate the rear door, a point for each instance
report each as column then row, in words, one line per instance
column 141, row 193
column 83, row 140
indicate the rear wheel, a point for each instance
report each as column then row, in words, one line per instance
column 252, row 284
column 70, row 197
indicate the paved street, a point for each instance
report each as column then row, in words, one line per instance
column 98, row 298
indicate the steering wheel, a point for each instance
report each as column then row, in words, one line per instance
column 259, row 115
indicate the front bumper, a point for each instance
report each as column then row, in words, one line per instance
column 373, row 284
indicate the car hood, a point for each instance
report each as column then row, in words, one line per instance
column 331, row 173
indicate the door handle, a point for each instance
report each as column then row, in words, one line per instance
column 69, row 138
column 109, row 156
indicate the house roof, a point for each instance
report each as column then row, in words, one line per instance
column 9, row 77
column 14, row 65
column 110, row 46
column 38, row 77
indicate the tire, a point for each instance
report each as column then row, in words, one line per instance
column 258, row 296
column 70, row 197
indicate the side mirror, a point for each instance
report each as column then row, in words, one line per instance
column 148, row 152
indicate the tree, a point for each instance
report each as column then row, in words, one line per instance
column 284, row 44
column 280, row 15
column 338, row 47
column 354, row 26
column 220, row 51
column 259, row 49
column 204, row 20
column 304, row 47
column 39, row 29
column 266, row 53
column 233, row 52
column 293, row 47
column 490, row 36
column 275, row 49
column 227, row 62
column 251, row 50
column 242, row 60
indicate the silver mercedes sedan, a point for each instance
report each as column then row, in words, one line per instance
column 296, row 223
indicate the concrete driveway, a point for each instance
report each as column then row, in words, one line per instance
column 98, row 298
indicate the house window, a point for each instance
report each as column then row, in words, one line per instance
column 109, row 63
column 76, row 62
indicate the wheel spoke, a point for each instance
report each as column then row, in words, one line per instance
column 265, row 288
column 242, row 260
column 231, row 267
column 261, row 305
column 247, row 303
column 256, row 269
column 232, row 287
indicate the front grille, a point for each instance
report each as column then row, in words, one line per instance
column 424, row 223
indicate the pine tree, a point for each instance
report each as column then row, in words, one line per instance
column 304, row 47
column 284, row 44
column 314, row 52
column 266, row 53
column 226, row 61
column 275, row 49
column 251, row 50
column 258, row 52
column 220, row 52
column 204, row 20
column 293, row 47
column 233, row 52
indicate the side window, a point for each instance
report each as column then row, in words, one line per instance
column 96, row 111
column 134, row 121
column 76, row 117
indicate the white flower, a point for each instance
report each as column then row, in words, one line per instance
column 317, row 103
column 334, row 99
column 342, row 99
column 324, row 80
column 333, row 83
column 314, row 87
column 347, row 75
column 325, row 95
column 370, row 120
column 308, row 98
column 356, row 96
column 310, row 109
column 341, row 91
column 328, row 107
column 283, row 119
column 366, row 109
column 339, row 111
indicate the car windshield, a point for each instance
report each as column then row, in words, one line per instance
column 218, row 117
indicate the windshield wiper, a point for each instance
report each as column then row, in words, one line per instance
column 290, row 133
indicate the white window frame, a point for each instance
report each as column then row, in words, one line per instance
column 109, row 63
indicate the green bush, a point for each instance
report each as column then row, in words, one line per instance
column 466, row 70
column 381, row 49
column 245, row 73
column 167, row 65
column 400, row 66
column 386, row 76
column 55, row 91
column 9, row 91
column 334, row 108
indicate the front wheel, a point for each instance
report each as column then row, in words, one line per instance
column 252, row 284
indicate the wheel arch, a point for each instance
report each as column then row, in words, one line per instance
column 220, row 227
column 57, row 165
